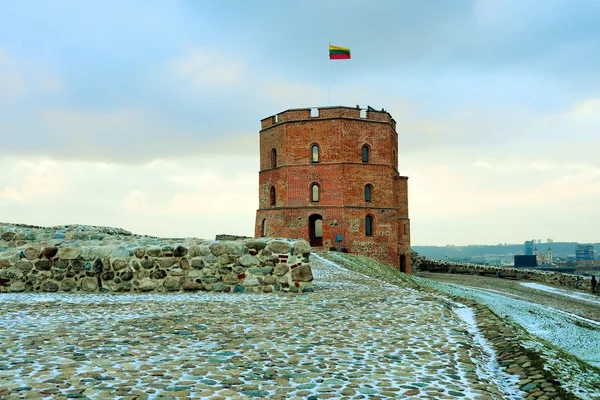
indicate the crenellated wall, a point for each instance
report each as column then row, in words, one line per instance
column 96, row 259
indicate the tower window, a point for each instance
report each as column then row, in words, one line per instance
column 272, row 196
column 315, row 193
column 365, row 154
column 263, row 228
column 273, row 158
column 314, row 153
column 369, row 225
column 368, row 193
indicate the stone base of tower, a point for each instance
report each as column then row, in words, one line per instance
column 388, row 242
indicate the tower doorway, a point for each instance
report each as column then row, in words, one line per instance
column 402, row 263
column 315, row 230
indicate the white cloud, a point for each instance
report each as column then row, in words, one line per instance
column 198, row 196
column 203, row 68
column 28, row 181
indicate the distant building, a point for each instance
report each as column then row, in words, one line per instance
column 529, row 248
column 527, row 261
column 549, row 240
column 584, row 252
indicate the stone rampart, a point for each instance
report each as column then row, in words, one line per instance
column 76, row 258
column 421, row 263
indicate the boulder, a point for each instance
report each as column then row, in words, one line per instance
column 279, row 246
column 227, row 248
column 248, row 260
column 89, row 284
column 301, row 247
column 172, row 284
column 302, row 274
column 31, row 253
column 147, row 285
column 69, row 253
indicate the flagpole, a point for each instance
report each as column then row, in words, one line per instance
column 329, row 75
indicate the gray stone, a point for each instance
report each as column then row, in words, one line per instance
column 31, row 253
column 89, row 284
column 227, row 248
column 24, row 265
column 231, row 279
column 69, row 253
column 197, row 263
column 172, row 284
column 167, row 262
column 42, row 265
column 256, row 244
column 251, row 281
column 210, row 259
column 147, row 284
column 50, row 287
column 279, row 246
column 139, row 252
column 18, row 286
column 281, row 269
column 11, row 273
column 118, row 264
column 302, row 274
column 176, row 271
column 248, row 260
column 126, row 275
column 301, row 247
column 180, row 251
column 67, row 285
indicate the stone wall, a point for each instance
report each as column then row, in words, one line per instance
column 421, row 263
column 75, row 258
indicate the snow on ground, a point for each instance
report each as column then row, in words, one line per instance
column 575, row 295
column 575, row 335
column 354, row 336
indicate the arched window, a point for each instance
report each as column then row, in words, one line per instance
column 368, row 193
column 272, row 197
column 369, row 225
column 365, row 153
column 315, row 193
column 314, row 153
column 263, row 228
column 273, row 158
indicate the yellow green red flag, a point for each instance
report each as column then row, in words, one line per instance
column 338, row 53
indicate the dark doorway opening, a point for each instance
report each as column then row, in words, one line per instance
column 402, row 263
column 315, row 230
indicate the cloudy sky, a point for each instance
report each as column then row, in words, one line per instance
column 145, row 114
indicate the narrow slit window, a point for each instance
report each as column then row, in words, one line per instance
column 272, row 196
column 369, row 225
column 273, row 158
column 314, row 153
column 314, row 193
column 263, row 228
column 365, row 154
column 368, row 193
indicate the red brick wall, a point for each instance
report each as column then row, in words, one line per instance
column 340, row 133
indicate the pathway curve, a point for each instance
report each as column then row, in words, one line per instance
column 354, row 337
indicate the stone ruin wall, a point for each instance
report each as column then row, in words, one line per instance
column 421, row 263
column 97, row 259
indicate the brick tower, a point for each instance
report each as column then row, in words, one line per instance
column 333, row 171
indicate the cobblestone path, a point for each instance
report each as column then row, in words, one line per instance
column 354, row 337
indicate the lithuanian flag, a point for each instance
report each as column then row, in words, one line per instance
column 338, row 53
